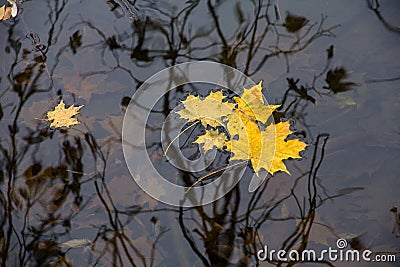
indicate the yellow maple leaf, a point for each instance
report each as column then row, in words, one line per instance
column 209, row 110
column 63, row 117
column 283, row 149
column 248, row 142
column 251, row 103
column 265, row 148
column 6, row 12
column 252, row 143
column 243, row 124
column 210, row 139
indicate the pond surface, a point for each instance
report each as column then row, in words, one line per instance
column 332, row 65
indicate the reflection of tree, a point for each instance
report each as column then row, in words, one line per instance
column 257, row 38
column 375, row 7
column 41, row 202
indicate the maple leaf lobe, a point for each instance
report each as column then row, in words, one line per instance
column 209, row 110
column 212, row 138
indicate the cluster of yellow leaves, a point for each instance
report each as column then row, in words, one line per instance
column 265, row 147
column 63, row 117
column 6, row 12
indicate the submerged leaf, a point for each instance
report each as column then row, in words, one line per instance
column 62, row 116
column 75, row 243
column 334, row 79
column 294, row 23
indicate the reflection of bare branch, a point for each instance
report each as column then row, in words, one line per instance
column 375, row 8
column 383, row 80
column 25, row 83
column 131, row 11
column 191, row 242
column 299, row 44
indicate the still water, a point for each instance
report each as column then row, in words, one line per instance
column 67, row 197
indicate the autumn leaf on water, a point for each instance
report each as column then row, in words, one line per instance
column 63, row 117
column 209, row 111
column 6, row 12
column 284, row 149
column 265, row 147
column 212, row 138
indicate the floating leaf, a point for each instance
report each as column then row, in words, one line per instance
column 265, row 147
column 251, row 143
column 251, row 103
column 209, row 110
column 284, row 149
column 2, row 11
column 210, row 139
column 6, row 12
column 62, row 116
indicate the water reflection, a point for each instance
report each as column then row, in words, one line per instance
column 396, row 224
column 375, row 5
column 56, row 185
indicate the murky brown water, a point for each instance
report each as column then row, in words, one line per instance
column 336, row 76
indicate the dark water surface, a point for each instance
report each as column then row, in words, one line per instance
column 333, row 65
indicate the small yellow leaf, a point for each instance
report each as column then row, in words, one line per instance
column 2, row 12
column 6, row 13
column 210, row 139
column 209, row 110
column 63, row 117
column 252, row 103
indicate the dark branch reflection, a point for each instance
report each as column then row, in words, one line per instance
column 56, row 184
column 374, row 5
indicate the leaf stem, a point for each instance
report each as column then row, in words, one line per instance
column 176, row 137
column 214, row 172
